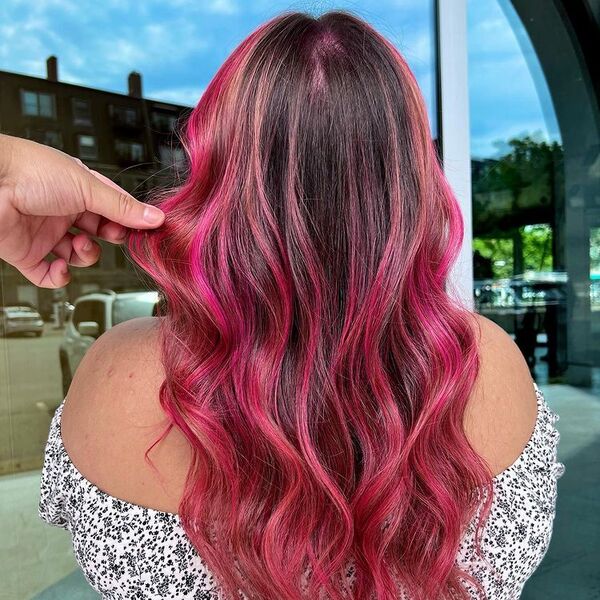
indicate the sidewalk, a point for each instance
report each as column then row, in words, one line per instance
column 571, row 568
column 36, row 560
column 33, row 555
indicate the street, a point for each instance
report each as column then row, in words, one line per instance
column 30, row 390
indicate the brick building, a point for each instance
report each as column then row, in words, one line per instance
column 128, row 138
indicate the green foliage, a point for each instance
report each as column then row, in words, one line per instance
column 536, row 243
column 513, row 201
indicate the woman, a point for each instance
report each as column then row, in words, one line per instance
column 323, row 419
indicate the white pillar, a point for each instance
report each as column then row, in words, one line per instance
column 455, row 133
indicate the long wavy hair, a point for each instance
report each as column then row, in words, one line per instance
column 314, row 358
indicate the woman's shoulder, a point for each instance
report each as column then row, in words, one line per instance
column 120, row 365
column 112, row 414
column 502, row 411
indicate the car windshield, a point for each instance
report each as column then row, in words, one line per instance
column 130, row 307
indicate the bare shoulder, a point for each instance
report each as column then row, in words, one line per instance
column 112, row 415
column 502, row 410
column 123, row 362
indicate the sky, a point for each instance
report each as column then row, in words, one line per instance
column 178, row 45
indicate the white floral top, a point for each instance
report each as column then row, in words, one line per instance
column 129, row 552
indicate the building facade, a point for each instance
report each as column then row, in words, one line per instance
column 130, row 139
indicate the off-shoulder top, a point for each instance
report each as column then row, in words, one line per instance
column 127, row 551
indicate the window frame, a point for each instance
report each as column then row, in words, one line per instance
column 79, row 146
column 81, row 121
column 120, row 144
column 24, row 92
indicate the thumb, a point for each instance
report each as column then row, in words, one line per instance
column 106, row 198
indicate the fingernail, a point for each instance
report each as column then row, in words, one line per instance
column 88, row 245
column 152, row 214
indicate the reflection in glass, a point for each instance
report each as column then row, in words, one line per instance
column 518, row 190
column 536, row 247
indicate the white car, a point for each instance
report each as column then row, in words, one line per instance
column 92, row 315
column 20, row 319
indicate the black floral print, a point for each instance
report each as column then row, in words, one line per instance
column 130, row 552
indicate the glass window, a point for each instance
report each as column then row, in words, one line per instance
column 131, row 116
column 534, row 157
column 46, row 105
column 50, row 137
column 30, row 103
column 38, row 104
column 90, row 310
column 137, row 151
column 129, row 151
column 125, row 115
column 53, row 138
column 164, row 121
column 82, row 113
column 516, row 170
column 88, row 148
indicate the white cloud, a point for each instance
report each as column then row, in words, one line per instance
column 28, row 37
column 121, row 53
column 187, row 95
column 70, row 77
column 223, row 7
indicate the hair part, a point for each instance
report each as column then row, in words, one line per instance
column 313, row 357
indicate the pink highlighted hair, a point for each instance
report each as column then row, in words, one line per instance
column 313, row 357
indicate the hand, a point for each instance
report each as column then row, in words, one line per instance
column 44, row 192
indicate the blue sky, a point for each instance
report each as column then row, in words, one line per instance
column 179, row 44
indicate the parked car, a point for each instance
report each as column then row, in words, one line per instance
column 507, row 301
column 533, row 308
column 20, row 319
column 92, row 315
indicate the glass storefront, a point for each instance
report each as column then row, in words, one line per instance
column 517, row 190
column 535, row 164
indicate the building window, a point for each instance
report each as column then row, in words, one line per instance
column 38, row 104
column 164, row 121
column 82, row 113
column 88, row 147
column 129, row 151
column 53, row 138
column 125, row 115
column 43, row 136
